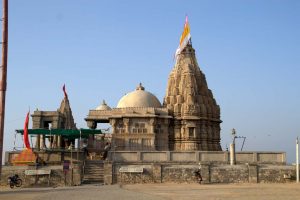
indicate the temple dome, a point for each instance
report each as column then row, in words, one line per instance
column 139, row 98
column 103, row 106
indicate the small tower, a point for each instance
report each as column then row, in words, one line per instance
column 60, row 119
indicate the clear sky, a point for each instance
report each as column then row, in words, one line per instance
column 248, row 50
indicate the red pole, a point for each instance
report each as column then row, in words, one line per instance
column 3, row 77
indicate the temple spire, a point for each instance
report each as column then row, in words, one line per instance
column 196, row 114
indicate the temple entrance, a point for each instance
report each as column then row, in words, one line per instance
column 96, row 147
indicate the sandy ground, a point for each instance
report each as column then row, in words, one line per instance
column 156, row 192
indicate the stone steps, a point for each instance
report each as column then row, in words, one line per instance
column 93, row 172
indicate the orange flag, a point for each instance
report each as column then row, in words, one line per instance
column 185, row 37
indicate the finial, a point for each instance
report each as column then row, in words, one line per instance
column 103, row 102
column 140, row 87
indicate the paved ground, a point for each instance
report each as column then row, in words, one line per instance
column 157, row 192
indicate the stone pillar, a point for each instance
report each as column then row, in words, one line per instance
column 42, row 142
column 126, row 124
column 232, row 154
column 58, row 141
column 113, row 123
column 51, row 141
column 38, row 142
column 152, row 125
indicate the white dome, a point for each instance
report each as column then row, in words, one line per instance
column 103, row 106
column 139, row 98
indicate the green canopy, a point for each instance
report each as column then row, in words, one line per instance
column 66, row 133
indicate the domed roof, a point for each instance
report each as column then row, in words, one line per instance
column 139, row 98
column 103, row 106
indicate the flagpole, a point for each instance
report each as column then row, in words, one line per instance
column 3, row 77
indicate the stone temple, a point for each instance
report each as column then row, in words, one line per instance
column 151, row 141
column 187, row 120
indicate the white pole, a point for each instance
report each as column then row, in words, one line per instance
column 297, row 160
column 232, row 154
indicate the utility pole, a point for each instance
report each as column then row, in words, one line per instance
column 297, row 160
column 3, row 77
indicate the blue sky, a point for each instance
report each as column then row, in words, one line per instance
column 248, row 50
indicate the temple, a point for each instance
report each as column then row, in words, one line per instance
column 188, row 119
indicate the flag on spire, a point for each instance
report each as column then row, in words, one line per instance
column 185, row 37
column 25, row 135
column 64, row 89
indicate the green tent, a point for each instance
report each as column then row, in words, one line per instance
column 66, row 133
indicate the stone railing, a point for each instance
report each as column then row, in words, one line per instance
column 137, row 110
column 197, row 156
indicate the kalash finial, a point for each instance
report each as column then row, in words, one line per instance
column 104, row 103
column 140, row 87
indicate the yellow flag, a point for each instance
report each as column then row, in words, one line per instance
column 185, row 37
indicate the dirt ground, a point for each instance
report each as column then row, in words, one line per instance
column 157, row 192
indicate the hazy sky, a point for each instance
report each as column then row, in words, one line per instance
column 248, row 50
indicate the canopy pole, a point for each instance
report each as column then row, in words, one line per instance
column 15, row 138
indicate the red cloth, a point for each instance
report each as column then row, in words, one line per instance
column 25, row 135
column 64, row 89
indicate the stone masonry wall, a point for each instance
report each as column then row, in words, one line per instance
column 179, row 174
column 276, row 174
column 229, row 174
column 211, row 173
column 57, row 177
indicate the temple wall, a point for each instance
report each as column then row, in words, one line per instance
column 140, row 133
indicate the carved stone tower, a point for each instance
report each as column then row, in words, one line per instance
column 196, row 115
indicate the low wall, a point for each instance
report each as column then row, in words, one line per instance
column 57, row 176
column 197, row 156
column 184, row 173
